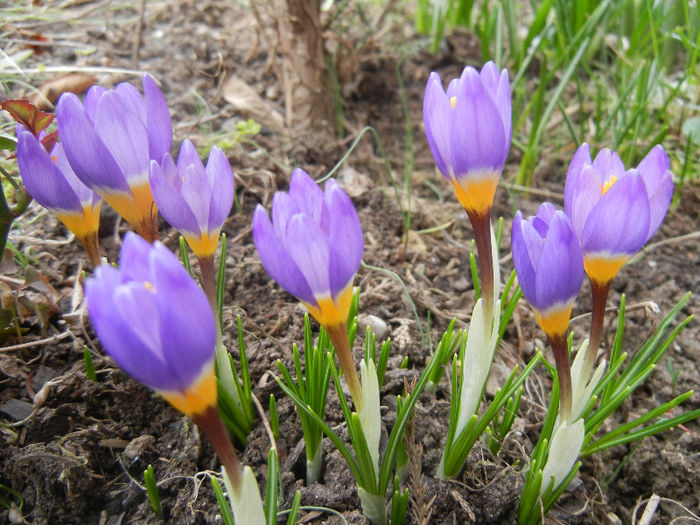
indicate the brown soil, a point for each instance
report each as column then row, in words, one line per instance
column 80, row 457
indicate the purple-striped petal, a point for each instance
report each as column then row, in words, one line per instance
column 607, row 164
column 306, row 194
column 122, row 131
column 346, row 233
column 91, row 161
column 42, row 177
column 309, row 249
column 526, row 245
column 437, row 118
column 166, row 188
column 560, row 267
column 547, row 257
column 86, row 196
column 276, row 260
column 655, row 172
column 160, row 132
column 477, row 137
column 187, row 334
column 619, row 223
column 151, row 316
column 220, row 175
column 582, row 193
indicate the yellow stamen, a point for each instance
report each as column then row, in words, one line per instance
column 453, row 101
column 608, row 184
column 199, row 397
column 603, row 268
column 555, row 320
column 148, row 286
column 82, row 224
column 136, row 207
column 203, row 245
column 476, row 194
column 332, row 313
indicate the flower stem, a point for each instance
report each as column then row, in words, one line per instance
column 600, row 299
column 338, row 335
column 481, row 223
column 210, row 423
column 92, row 247
column 207, row 278
column 561, row 358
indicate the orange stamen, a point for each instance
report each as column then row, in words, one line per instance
column 608, row 184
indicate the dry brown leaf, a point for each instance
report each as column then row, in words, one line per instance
column 246, row 100
column 50, row 90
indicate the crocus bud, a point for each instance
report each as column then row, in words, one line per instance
column 313, row 246
column 194, row 199
column 615, row 211
column 156, row 323
column 469, row 130
column 50, row 180
column 549, row 264
column 110, row 140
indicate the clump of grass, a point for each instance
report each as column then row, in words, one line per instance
column 618, row 74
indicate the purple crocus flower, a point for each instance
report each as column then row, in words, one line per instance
column 156, row 323
column 194, row 199
column 313, row 246
column 615, row 211
column 50, row 180
column 549, row 263
column 110, row 140
column 469, row 130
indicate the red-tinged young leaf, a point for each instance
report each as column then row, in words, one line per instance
column 49, row 141
column 28, row 115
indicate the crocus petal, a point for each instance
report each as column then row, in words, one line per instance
column 220, row 175
column 547, row 257
column 654, row 170
column 121, row 130
column 90, row 102
column 582, row 193
column 607, row 164
column 477, row 138
column 152, row 318
column 132, row 101
column 188, row 334
column 125, row 347
column 133, row 258
column 168, row 198
column 188, row 156
column 84, row 194
column 560, row 267
column 619, row 223
column 306, row 194
column 309, row 250
column 346, row 232
column 275, row 258
column 160, row 132
column 197, row 193
column 283, row 209
column 526, row 243
column 503, row 103
column 91, row 161
column 437, row 118
column 42, row 178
